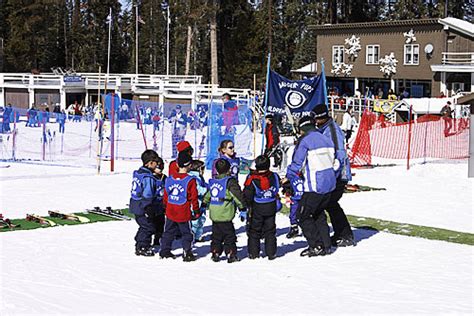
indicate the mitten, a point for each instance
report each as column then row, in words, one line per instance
column 243, row 215
column 195, row 214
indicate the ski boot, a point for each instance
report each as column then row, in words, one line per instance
column 215, row 257
column 167, row 255
column 293, row 232
column 232, row 257
column 188, row 256
column 312, row 252
column 342, row 241
column 144, row 251
column 272, row 257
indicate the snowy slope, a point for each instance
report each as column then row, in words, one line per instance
column 92, row 269
column 434, row 194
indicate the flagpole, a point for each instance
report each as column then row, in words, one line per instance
column 266, row 102
column 323, row 78
column 136, row 38
column 168, row 40
column 108, row 49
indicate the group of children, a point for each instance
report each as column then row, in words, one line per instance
column 174, row 207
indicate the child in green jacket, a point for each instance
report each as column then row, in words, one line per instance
column 223, row 197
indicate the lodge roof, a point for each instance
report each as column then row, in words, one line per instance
column 360, row 25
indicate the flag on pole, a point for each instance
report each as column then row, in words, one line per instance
column 109, row 17
column 164, row 5
column 140, row 20
column 299, row 96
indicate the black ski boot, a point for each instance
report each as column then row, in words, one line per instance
column 293, row 232
column 232, row 257
column 215, row 257
column 312, row 252
column 167, row 255
column 272, row 257
column 342, row 241
column 145, row 251
column 189, row 256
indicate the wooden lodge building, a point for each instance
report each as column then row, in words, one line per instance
column 425, row 57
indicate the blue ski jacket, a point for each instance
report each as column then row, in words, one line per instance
column 313, row 158
column 144, row 191
column 336, row 136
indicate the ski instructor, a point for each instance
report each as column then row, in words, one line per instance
column 313, row 158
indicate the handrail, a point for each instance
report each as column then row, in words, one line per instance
column 457, row 58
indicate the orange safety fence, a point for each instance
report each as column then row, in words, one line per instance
column 430, row 136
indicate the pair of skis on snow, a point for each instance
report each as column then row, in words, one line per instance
column 56, row 214
column 6, row 223
column 109, row 212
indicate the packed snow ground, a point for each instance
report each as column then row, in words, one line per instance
column 437, row 194
column 92, row 268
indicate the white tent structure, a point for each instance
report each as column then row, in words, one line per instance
column 422, row 106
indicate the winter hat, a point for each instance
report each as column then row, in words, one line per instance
column 184, row 159
column 182, row 145
column 306, row 123
column 321, row 111
column 178, row 107
column 269, row 116
column 262, row 162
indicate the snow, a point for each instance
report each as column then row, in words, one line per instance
column 92, row 268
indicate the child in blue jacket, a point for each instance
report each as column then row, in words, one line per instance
column 197, row 172
column 145, row 202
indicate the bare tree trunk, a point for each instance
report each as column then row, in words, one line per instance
column 214, row 69
column 333, row 11
column 188, row 51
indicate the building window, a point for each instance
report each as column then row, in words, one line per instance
column 372, row 56
column 337, row 54
column 412, row 54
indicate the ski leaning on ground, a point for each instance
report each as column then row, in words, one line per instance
column 40, row 219
column 109, row 213
column 72, row 217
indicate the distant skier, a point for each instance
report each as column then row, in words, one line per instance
column 179, row 123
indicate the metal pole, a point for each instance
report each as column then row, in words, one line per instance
column 409, row 137
column 112, row 134
column 136, row 39
column 266, row 102
column 168, row 40
column 108, row 50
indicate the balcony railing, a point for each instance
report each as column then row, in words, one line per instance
column 458, row 58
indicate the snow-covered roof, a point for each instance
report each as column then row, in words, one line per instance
column 459, row 25
column 424, row 105
column 309, row 68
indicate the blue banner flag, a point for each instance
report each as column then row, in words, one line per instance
column 300, row 96
column 108, row 102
